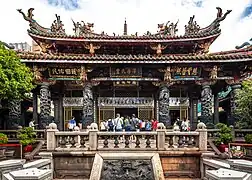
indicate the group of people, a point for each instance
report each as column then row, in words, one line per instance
column 128, row 124
column 182, row 125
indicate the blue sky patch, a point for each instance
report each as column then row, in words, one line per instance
column 66, row 4
column 247, row 11
column 199, row 3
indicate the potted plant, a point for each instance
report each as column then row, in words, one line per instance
column 3, row 141
column 225, row 137
column 26, row 137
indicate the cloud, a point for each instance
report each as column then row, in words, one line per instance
column 66, row 4
column 247, row 11
column 142, row 16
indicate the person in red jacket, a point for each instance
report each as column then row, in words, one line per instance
column 154, row 124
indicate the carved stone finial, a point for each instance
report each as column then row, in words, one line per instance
column 192, row 27
column 52, row 126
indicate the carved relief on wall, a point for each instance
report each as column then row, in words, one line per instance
column 214, row 73
column 127, row 170
column 126, row 72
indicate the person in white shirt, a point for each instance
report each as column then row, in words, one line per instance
column 118, row 123
column 185, row 125
column 31, row 124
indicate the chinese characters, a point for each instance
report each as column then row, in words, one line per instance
column 186, row 71
column 126, row 72
column 64, row 72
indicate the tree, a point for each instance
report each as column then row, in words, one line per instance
column 16, row 79
column 243, row 109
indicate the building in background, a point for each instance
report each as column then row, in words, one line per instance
column 21, row 46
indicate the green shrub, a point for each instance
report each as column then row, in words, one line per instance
column 225, row 135
column 26, row 136
column 3, row 138
column 248, row 138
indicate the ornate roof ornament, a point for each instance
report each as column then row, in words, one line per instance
column 168, row 29
column 192, row 27
column 34, row 26
column 216, row 23
column 57, row 26
column 245, row 45
column 82, row 29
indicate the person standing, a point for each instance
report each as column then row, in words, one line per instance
column 118, row 123
column 31, row 124
column 154, row 125
column 72, row 124
column 185, row 125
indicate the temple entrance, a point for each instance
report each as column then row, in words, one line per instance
column 126, row 111
column 174, row 114
column 72, row 111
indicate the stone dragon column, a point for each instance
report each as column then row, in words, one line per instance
column 14, row 113
column 88, row 105
column 163, row 113
column 45, row 105
column 206, row 104
column 235, row 87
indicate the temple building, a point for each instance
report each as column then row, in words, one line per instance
column 162, row 75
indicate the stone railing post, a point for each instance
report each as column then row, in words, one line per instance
column 93, row 137
column 232, row 132
column 201, row 128
column 51, row 141
column 160, row 137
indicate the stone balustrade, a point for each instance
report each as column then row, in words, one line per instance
column 93, row 140
column 12, row 135
column 238, row 134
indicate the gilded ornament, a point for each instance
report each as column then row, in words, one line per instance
column 158, row 48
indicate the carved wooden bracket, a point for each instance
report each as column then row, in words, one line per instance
column 158, row 48
column 204, row 47
column 92, row 48
column 44, row 46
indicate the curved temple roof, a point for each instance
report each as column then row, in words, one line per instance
column 167, row 31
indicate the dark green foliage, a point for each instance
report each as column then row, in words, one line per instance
column 243, row 110
column 225, row 135
column 15, row 78
column 248, row 138
column 26, row 136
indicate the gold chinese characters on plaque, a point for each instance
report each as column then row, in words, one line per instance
column 186, row 71
column 64, row 72
column 126, row 72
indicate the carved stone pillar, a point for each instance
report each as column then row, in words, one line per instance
column 163, row 106
column 206, row 104
column 35, row 107
column 45, row 105
column 233, row 105
column 14, row 114
column 216, row 109
column 88, row 105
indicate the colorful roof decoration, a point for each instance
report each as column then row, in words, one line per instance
column 135, row 58
column 84, row 30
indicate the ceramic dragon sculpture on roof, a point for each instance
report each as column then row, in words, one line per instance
column 56, row 28
column 245, row 45
column 193, row 28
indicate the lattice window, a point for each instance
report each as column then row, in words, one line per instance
column 145, row 114
column 106, row 114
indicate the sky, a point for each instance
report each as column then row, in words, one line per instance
column 141, row 15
